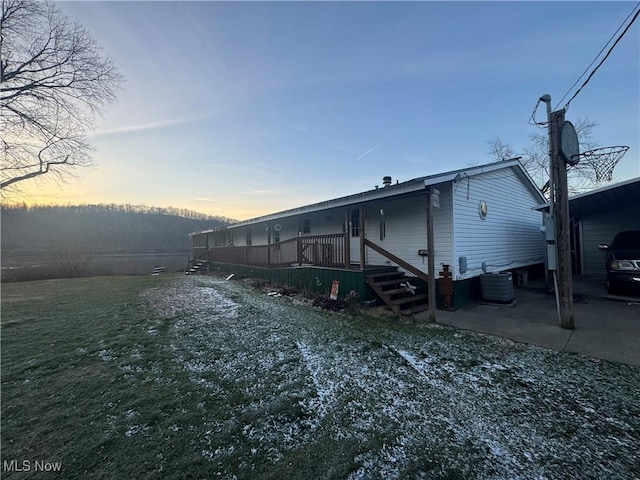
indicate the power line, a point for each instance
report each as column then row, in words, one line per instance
column 532, row 120
column 597, row 56
column 566, row 107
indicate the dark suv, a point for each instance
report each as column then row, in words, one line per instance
column 623, row 260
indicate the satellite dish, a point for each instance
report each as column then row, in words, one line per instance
column 277, row 227
column 569, row 147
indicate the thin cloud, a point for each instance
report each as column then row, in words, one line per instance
column 262, row 192
column 148, row 126
column 238, row 167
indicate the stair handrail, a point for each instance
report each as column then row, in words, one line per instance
column 200, row 257
column 401, row 263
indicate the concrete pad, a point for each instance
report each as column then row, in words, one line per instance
column 536, row 328
column 605, row 328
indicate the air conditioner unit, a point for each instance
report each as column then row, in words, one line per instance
column 497, row 287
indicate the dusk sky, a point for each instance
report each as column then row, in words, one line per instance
column 243, row 109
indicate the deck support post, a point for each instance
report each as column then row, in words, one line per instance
column 347, row 236
column 362, row 237
column 431, row 281
column 269, row 245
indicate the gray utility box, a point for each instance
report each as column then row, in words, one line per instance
column 497, row 287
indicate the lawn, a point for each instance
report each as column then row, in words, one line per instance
column 198, row 377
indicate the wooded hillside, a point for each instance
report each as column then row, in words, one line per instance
column 100, row 229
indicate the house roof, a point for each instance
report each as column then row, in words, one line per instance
column 603, row 199
column 402, row 188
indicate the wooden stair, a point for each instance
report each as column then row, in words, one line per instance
column 392, row 288
column 159, row 270
column 196, row 267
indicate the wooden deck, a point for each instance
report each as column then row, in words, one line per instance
column 317, row 250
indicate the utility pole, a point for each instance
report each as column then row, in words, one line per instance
column 559, row 208
column 563, row 233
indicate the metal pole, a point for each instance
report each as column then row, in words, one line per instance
column 546, row 98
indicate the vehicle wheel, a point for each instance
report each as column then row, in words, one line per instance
column 612, row 287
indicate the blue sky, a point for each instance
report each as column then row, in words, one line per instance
column 243, row 109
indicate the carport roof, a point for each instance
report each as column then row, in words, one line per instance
column 603, row 199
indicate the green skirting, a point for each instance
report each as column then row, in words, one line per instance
column 308, row 278
column 318, row 280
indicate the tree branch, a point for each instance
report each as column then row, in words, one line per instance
column 53, row 82
column 44, row 168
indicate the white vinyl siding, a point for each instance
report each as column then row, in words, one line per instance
column 321, row 223
column 509, row 237
column 326, row 222
column 406, row 229
column 601, row 228
column 443, row 228
column 288, row 228
column 258, row 234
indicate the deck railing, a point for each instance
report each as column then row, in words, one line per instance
column 318, row 250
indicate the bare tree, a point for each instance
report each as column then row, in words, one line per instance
column 500, row 150
column 535, row 157
column 54, row 80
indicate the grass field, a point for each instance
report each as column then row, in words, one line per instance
column 198, row 377
column 35, row 266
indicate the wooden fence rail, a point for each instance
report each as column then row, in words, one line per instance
column 318, row 250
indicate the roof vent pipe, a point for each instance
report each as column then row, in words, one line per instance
column 386, row 181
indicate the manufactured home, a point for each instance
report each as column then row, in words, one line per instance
column 375, row 244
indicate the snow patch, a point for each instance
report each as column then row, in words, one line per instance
column 473, row 405
column 106, row 355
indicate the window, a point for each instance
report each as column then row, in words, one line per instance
column 355, row 223
column 230, row 239
column 306, row 226
column 248, row 236
column 276, row 236
column 199, row 241
column 383, row 231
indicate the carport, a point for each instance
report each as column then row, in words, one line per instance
column 596, row 216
